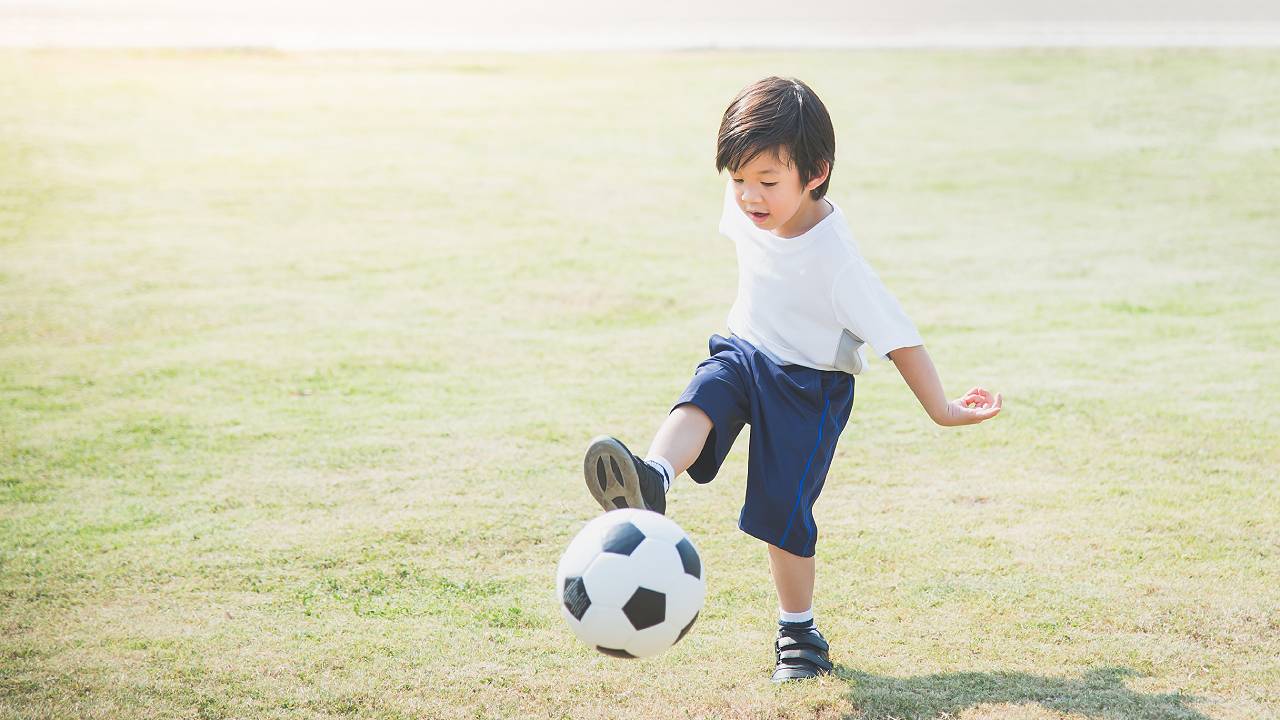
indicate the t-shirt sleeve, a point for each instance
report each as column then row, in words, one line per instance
column 867, row 309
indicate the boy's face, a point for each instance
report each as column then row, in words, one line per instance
column 769, row 191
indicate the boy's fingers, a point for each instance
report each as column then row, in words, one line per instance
column 980, row 405
column 984, row 413
column 976, row 408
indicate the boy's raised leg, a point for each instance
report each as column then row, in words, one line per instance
column 680, row 439
column 618, row 479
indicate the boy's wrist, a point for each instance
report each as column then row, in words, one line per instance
column 946, row 416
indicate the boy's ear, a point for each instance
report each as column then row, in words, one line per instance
column 820, row 178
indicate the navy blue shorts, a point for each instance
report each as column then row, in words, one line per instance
column 796, row 414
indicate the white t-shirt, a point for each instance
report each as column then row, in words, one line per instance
column 811, row 300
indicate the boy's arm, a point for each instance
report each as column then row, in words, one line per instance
column 917, row 370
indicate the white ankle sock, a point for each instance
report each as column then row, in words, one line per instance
column 797, row 617
column 661, row 465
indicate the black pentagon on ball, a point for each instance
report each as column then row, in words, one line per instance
column 615, row 652
column 622, row 539
column 575, row 597
column 646, row 608
column 689, row 558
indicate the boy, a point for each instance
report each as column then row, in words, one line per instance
column 806, row 304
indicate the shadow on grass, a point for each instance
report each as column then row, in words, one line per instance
column 1098, row 693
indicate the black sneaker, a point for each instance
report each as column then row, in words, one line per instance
column 617, row 479
column 800, row 654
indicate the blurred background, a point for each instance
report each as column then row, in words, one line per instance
column 583, row 24
column 308, row 311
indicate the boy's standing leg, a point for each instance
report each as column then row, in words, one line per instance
column 793, row 579
column 801, row 650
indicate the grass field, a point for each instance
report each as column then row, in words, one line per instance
column 299, row 354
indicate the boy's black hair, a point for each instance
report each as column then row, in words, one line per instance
column 778, row 113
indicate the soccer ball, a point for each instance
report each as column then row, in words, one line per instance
column 630, row 584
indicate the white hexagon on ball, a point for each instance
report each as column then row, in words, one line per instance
column 631, row 583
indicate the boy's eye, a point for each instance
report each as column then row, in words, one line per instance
column 769, row 184
column 738, row 180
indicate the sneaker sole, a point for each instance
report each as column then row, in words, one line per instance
column 611, row 476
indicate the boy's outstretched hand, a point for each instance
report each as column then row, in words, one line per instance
column 917, row 369
column 976, row 405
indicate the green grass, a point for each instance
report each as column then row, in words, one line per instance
column 298, row 355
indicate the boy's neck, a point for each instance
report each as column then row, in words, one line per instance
column 810, row 213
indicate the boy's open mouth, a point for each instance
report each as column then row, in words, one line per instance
column 758, row 217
